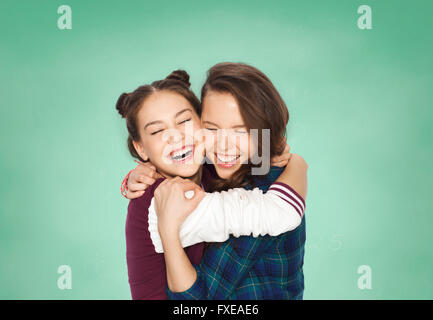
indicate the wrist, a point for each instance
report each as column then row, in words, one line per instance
column 124, row 185
column 170, row 231
column 170, row 240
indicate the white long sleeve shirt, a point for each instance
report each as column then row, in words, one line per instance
column 238, row 212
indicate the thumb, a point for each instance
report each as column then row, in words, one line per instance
column 195, row 200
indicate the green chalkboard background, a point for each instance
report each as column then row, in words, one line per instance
column 361, row 106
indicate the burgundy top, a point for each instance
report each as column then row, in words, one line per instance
column 146, row 268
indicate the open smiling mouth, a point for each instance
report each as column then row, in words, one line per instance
column 226, row 161
column 183, row 154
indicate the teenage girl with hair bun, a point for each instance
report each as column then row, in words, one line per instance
column 163, row 218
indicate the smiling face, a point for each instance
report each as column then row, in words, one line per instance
column 167, row 123
column 228, row 141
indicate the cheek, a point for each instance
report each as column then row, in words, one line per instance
column 210, row 140
column 154, row 146
column 252, row 146
column 246, row 145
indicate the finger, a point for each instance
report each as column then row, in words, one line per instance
column 137, row 187
column 151, row 166
column 147, row 170
column 134, row 195
column 145, row 179
column 133, row 181
column 191, row 193
column 280, row 164
column 195, row 200
column 153, row 174
column 199, row 193
column 146, row 164
column 275, row 159
column 285, row 156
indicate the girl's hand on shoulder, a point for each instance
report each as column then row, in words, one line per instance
column 283, row 159
column 295, row 175
column 143, row 176
column 299, row 160
column 173, row 206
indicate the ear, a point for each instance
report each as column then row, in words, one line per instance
column 140, row 150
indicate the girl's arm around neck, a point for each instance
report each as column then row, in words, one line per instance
column 242, row 212
column 295, row 175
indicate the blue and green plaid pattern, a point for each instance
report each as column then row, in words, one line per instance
column 251, row 268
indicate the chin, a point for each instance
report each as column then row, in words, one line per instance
column 226, row 173
column 186, row 171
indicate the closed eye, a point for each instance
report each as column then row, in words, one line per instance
column 155, row 132
column 185, row 121
column 211, row 129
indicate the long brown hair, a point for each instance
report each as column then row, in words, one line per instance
column 128, row 104
column 261, row 107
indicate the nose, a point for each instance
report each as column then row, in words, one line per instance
column 223, row 140
column 174, row 136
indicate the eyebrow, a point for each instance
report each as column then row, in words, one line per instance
column 182, row 111
column 159, row 121
column 233, row 127
column 152, row 123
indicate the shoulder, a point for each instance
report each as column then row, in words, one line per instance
column 145, row 200
column 263, row 182
column 138, row 238
column 138, row 208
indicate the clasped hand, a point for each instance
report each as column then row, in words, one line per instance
column 172, row 206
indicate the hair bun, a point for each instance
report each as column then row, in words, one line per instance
column 121, row 104
column 179, row 75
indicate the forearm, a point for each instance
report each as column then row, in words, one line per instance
column 241, row 212
column 181, row 275
column 238, row 212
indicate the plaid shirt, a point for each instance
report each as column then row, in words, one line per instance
column 247, row 268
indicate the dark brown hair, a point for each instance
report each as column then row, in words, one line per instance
column 128, row 104
column 261, row 107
